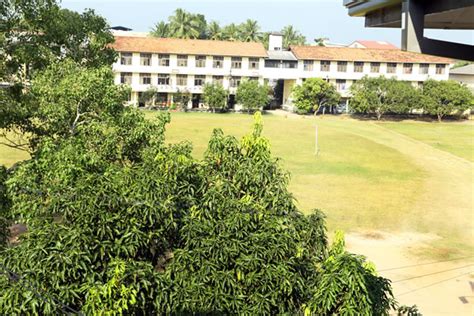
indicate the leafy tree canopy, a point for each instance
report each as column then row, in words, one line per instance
column 313, row 94
column 443, row 98
column 251, row 95
column 215, row 96
column 380, row 95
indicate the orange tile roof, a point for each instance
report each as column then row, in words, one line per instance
column 376, row 44
column 188, row 46
column 364, row 54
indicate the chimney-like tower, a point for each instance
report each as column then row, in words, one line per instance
column 275, row 41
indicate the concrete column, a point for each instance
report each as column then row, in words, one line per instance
column 413, row 20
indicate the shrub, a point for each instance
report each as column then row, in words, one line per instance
column 313, row 94
column 215, row 96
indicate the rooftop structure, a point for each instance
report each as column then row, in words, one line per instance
column 372, row 44
column 414, row 16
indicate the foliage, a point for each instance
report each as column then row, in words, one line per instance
column 291, row 36
column 381, row 95
column 313, row 94
column 38, row 32
column 182, row 98
column 251, row 95
column 4, row 207
column 149, row 95
column 320, row 41
column 215, row 96
column 443, row 98
column 408, row 311
column 184, row 24
column 63, row 97
column 33, row 35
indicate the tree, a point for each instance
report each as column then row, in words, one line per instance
column 121, row 222
column 215, row 96
column 185, row 25
column 249, row 31
column 161, row 29
column 148, row 97
column 443, row 98
column 61, row 98
column 382, row 95
column 251, row 95
column 214, row 31
column 36, row 33
column 320, row 41
column 231, row 32
column 313, row 94
column 182, row 98
column 292, row 37
column 33, row 35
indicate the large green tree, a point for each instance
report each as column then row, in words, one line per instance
column 215, row 96
column 443, row 98
column 313, row 94
column 214, row 31
column 251, row 95
column 379, row 95
column 249, row 31
column 291, row 36
column 186, row 25
column 161, row 29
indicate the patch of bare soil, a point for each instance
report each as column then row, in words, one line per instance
column 436, row 286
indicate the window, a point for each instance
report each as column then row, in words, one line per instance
column 181, row 80
column 218, row 79
column 145, row 78
column 289, row 64
column 236, row 62
column 424, row 69
column 308, row 65
column 358, row 66
column 253, row 78
column 199, row 80
column 200, row 61
column 145, row 59
column 325, row 65
column 407, row 68
column 374, row 67
column 218, row 62
column 235, row 81
column 163, row 79
column 342, row 66
column 182, row 60
column 272, row 64
column 163, row 60
column 391, row 68
column 126, row 77
column 126, row 58
column 440, row 69
column 340, row 84
column 254, row 63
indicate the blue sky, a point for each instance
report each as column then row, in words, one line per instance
column 314, row 18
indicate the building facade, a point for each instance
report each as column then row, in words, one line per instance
column 171, row 66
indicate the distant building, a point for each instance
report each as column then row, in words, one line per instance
column 171, row 65
column 464, row 75
column 372, row 44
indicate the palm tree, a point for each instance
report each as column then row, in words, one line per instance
column 161, row 29
column 214, row 31
column 184, row 25
column 320, row 41
column 291, row 36
column 231, row 32
column 249, row 31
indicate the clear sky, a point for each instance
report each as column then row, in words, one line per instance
column 314, row 18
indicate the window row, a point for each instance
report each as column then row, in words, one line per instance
column 182, row 61
column 308, row 65
column 181, row 80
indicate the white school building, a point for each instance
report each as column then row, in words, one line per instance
column 184, row 65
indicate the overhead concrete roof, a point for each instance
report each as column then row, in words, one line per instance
column 465, row 70
column 281, row 55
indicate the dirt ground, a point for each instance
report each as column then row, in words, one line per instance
column 436, row 286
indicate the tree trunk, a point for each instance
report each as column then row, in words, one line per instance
column 440, row 117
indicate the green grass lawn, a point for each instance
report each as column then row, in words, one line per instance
column 365, row 177
column 454, row 137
